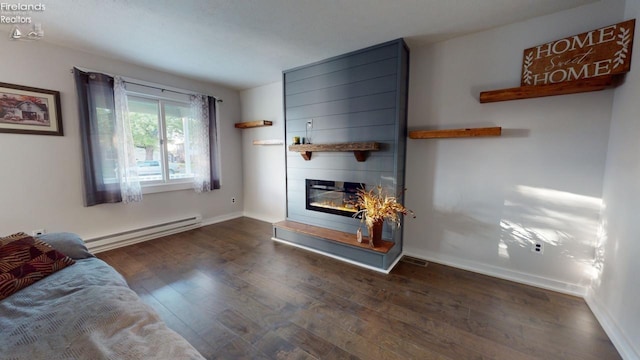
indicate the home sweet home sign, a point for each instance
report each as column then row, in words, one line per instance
column 604, row 51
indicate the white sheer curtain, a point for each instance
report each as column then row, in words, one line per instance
column 201, row 159
column 130, row 188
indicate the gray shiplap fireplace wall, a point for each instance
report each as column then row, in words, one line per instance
column 357, row 97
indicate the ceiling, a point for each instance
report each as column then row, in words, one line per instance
column 247, row 43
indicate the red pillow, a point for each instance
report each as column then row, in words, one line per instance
column 25, row 260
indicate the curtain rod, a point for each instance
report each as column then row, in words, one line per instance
column 140, row 82
column 169, row 90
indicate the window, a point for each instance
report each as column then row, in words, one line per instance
column 160, row 130
column 133, row 134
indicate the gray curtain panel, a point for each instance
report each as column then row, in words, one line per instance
column 213, row 145
column 97, row 124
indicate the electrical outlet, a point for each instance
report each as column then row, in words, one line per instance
column 538, row 247
column 38, row 232
column 310, row 124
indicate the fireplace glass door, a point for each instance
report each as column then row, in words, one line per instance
column 333, row 197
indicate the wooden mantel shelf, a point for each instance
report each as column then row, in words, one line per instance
column 252, row 124
column 359, row 149
column 568, row 87
column 455, row 133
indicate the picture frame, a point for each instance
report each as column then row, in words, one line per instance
column 29, row 110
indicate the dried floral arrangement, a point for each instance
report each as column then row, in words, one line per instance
column 376, row 205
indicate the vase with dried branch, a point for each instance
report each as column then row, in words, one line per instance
column 374, row 207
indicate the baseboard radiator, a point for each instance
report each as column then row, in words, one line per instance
column 129, row 237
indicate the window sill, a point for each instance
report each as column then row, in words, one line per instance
column 158, row 188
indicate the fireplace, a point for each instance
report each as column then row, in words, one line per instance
column 333, row 197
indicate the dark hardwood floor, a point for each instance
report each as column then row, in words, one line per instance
column 234, row 293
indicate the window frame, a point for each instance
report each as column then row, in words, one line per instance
column 166, row 183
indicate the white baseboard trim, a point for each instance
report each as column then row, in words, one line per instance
column 501, row 273
column 384, row 271
column 221, row 218
column 610, row 326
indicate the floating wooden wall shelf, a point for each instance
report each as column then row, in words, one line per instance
column 252, row 124
column 455, row 133
column 359, row 149
column 568, row 87
column 268, row 142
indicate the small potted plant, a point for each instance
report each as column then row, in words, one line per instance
column 374, row 207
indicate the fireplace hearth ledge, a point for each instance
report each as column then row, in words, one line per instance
column 337, row 244
column 352, row 262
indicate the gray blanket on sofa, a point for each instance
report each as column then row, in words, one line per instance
column 85, row 311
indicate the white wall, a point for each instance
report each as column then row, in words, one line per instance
column 40, row 176
column 481, row 203
column 615, row 293
column 264, row 166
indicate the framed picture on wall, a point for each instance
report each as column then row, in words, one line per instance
column 28, row 110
